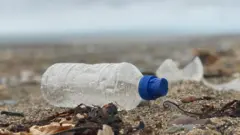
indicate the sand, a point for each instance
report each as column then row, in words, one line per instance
column 156, row 118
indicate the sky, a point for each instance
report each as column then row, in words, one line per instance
column 31, row 17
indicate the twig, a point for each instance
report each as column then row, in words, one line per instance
column 225, row 107
column 49, row 119
column 167, row 104
column 218, row 113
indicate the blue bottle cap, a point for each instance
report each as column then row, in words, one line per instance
column 151, row 87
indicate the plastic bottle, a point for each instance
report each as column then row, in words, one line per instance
column 169, row 70
column 69, row 84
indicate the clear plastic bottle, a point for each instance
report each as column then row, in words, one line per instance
column 169, row 70
column 69, row 84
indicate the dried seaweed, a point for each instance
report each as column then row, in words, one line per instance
column 170, row 104
column 94, row 118
column 12, row 113
column 231, row 109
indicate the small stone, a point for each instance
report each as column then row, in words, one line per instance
column 121, row 131
column 189, row 99
column 107, row 130
column 80, row 116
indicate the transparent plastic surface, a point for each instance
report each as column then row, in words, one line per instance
column 193, row 71
column 69, row 84
column 170, row 71
column 232, row 85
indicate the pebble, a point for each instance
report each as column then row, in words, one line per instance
column 107, row 130
column 80, row 116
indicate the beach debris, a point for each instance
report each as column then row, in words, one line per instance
column 38, row 130
column 193, row 71
column 7, row 132
column 172, row 105
column 170, row 71
column 50, row 129
column 84, row 120
column 190, row 99
column 232, row 85
column 18, row 114
column 230, row 109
